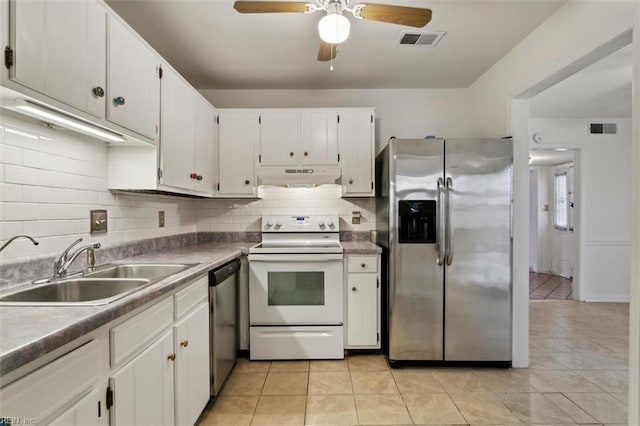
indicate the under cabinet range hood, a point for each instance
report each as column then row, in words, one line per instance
column 298, row 176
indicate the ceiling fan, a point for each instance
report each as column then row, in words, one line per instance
column 334, row 27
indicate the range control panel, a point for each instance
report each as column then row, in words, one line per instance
column 300, row 223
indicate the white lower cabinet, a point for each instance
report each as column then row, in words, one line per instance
column 363, row 302
column 89, row 411
column 143, row 392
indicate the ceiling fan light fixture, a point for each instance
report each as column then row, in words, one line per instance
column 334, row 28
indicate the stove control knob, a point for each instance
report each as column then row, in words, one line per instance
column 321, row 224
column 269, row 224
column 278, row 224
column 330, row 224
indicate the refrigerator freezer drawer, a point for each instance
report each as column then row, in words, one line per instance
column 302, row 342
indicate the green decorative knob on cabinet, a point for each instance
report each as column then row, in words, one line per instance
column 118, row 101
column 98, row 92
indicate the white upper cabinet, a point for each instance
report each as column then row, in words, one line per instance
column 177, row 131
column 318, row 138
column 237, row 135
column 133, row 95
column 279, row 135
column 206, row 147
column 356, row 144
column 60, row 51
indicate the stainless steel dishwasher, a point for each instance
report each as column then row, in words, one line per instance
column 223, row 322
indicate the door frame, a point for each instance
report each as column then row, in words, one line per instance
column 518, row 109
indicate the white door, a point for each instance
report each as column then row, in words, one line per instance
column 60, row 51
column 279, row 138
column 178, row 109
column 192, row 365
column 319, row 138
column 355, row 142
column 295, row 289
column 143, row 392
column 362, row 310
column 561, row 233
column 89, row 411
column 133, row 95
column 571, row 198
column 206, row 147
column 237, row 132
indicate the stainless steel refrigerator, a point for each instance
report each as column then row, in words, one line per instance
column 444, row 220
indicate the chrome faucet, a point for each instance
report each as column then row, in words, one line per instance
column 67, row 257
column 35, row 243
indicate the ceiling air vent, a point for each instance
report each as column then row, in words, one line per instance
column 426, row 39
column 603, row 128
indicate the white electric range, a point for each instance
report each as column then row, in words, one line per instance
column 296, row 289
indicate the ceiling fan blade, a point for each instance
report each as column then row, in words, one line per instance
column 327, row 51
column 269, row 7
column 402, row 15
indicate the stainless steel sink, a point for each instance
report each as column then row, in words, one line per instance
column 78, row 291
column 149, row 271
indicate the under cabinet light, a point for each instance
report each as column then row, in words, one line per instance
column 57, row 118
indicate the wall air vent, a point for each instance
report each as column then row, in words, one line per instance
column 603, row 128
column 425, row 39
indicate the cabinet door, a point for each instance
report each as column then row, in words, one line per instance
column 318, row 138
column 143, row 388
column 237, row 133
column 279, row 138
column 177, row 131
column 60, row 50
column 133, row 95
column 206, row 147
column 362, row 310
column 192, row 365
column 355, row 141
column 90, row 410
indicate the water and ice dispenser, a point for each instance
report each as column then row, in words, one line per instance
column 417, row 221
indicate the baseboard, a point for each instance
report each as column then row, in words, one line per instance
column 606, row 299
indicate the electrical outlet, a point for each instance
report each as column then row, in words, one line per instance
column 161, row 218
column 98, row 221
column 355, row 217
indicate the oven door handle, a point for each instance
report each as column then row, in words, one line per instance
column 294, row 257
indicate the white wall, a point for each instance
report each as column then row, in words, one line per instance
column 403, row 113
column 605, row 207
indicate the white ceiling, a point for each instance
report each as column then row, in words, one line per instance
column 601, row 90
column 549, row 157
column 215, row 47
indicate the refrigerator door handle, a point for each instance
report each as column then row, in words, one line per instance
column 448, row 220
column 440, row 224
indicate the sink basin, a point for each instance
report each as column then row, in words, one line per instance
column 80, row 291
column 149, row 271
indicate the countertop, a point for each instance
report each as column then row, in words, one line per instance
column 30, row 332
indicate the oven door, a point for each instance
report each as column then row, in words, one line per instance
column 295, row 289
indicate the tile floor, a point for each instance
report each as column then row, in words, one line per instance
column 547, row 286
column 578, row 375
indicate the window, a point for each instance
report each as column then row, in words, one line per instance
column 561, row 204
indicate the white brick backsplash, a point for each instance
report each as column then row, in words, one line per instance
column 21, row 175
column 9, row 229
column 11, row 155
column 10, row 192
column 20, row 138
column 51, row 227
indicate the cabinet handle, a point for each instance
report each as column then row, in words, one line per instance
column 291, row 154
column 246, row 182
column 306, row 154
column 172, row 357
column 184, row 343
column 98, row 92
column 363, row 265
column 199, row 177
column 354, row 289
column 350, row 181
column 118, row 101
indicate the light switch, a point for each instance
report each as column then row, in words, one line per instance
column 355, row 217
column 98, row 221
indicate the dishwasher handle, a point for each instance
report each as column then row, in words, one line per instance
column 222, row 273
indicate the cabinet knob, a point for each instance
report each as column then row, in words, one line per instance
column 350, row 181
column 363, row 265
column 199, row 177
column 184, row 343
column 291, row 154
column 98, row 92
column 172, row 357
column 118, row 101
column 247, row 182
column 193, row 175
column 306, row 154
column 354, row 289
